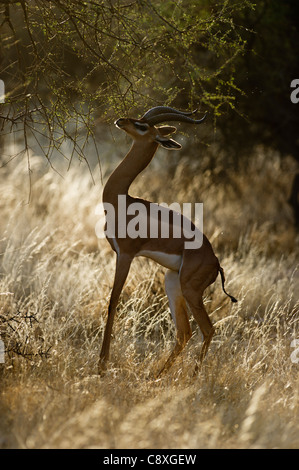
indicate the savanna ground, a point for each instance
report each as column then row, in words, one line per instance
column 55, row 283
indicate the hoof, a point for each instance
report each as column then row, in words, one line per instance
column 102, row 367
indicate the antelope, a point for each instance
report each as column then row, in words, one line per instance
column 188, row 271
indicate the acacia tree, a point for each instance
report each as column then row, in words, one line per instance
column 265, row 73
column 67, row 62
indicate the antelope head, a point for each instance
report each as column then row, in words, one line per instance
column 144, row 129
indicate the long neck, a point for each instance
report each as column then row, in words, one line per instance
column 136, row 160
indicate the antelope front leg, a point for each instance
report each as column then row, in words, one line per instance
column 123, row 264
column 179, row 314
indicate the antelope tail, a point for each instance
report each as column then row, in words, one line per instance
column 223, row 281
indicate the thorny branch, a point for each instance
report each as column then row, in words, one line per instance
column 67, row 64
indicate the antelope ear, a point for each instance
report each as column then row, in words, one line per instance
column 166, row 130
column 169, row 144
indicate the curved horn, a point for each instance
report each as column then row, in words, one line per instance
column 159, row 110
column 174, row 117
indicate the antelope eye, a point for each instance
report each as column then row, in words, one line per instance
column 141, row 127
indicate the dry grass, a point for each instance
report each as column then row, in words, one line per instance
column 55, row 284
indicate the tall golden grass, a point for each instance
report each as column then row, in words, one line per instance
column 55, row 283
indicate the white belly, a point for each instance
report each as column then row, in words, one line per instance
column 170, row 261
